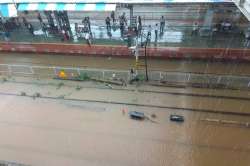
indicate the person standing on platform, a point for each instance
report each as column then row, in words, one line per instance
column 247, row 39
column 139, row 25
column 149, row 34
column 195, row 29
column 88, row 23
column 30, row 28
column 113, row 16
column 156, row 33
column 44, row 29
column 7, row 36
column 108, row 24
column 123, row 17
column 77, row 30
column 87, row 38
column 39, row 18
column 122, row 26
column 25, row 22
column 162, row 25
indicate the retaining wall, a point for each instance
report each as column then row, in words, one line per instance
column 123, row 51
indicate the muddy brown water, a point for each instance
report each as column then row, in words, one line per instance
column 71, row 133
column 237, row 68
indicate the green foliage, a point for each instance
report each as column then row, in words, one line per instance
column 83, row 77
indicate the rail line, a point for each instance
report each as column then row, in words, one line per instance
column 151, row 91
column 133, row 104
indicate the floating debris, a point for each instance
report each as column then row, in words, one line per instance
column 136, row 115
column 176, row 118
column 153, row 116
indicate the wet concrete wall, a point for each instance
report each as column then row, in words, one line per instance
column 123, row 51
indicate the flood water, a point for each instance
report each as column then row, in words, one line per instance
column 237, row 68
column 72, row 132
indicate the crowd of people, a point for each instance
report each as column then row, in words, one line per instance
column 135, row 29
column 129, row 30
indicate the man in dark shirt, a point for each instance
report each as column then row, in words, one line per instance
column 108, row 25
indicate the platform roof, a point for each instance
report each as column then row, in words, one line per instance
column 244, row 6
column 114, row 1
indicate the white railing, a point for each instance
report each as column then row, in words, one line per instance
column 168, row 76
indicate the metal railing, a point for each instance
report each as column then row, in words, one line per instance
column 185, row 78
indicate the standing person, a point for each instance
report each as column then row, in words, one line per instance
column 39, row 18
column 113, row 16
column 108, row 25
column 156, row 33
column 30, row 28
column 63, row 35
column 123, row 17
column 162, row 24
column 44, row 29
column 129, row 36
column 87, row 38
column 18, row 22
column 247, row 39
column 122, row 26
column 25, row 22
column 85, row 25
column 149, row 33
column 89, row 26
column 195, row 29
column 139, row 20
column 139, row 25
column 7, row 36
column 76, row 30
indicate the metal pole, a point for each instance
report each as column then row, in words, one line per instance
column 145, row 56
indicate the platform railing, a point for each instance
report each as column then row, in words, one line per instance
column 168, row 77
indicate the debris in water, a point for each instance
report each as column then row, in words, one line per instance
column 153, row 115
column 177, row 118
column 136, row 115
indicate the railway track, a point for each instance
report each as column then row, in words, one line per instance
column 154, row 92
column 207, row 96
column 133, row 104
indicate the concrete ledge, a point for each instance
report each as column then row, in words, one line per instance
column 123, row 51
